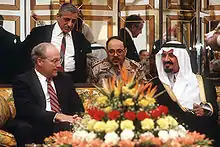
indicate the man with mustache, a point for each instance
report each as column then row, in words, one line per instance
column 71, row 44
column 189, row 97
column 116, row 60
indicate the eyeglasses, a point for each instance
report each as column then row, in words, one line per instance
column 117, row 51
column 54, row 61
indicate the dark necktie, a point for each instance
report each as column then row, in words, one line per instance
column 62, row 51
column 55, row 106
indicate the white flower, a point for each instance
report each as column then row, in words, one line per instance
column 80, row 135
column 127, row 134
column 91, row 136
column 181, row 131
column 111, row 137
column 147, row 134
column 163, row 135
column 173, row 134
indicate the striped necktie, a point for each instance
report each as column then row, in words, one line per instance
column 55, row 106
column 62, row 51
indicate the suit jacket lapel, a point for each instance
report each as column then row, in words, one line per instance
column 76, row 48
column 37, row 88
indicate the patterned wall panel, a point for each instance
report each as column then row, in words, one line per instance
column 212, row 4
column 135, row 5
column 105, row 22
column 97, row 4
column 16, row 20
column 180, row 4
column 10, row 6
column 183, row 23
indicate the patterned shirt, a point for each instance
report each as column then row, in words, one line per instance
column 104, row 69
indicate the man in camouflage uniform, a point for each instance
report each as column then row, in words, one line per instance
column 116, row 59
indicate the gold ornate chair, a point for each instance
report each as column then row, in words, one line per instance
column 7, row 111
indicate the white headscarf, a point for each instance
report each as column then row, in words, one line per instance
column 186, row 87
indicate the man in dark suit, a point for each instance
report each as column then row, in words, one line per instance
column 62, row 33
column 133, row 27
column 8, row 42
column 44, row 107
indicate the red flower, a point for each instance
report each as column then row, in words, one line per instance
column 99, row 115
column 155, row 113
column 95, row 113
column 163, row 109
column 142, row 115
column 130, row 115
column 114, row 115
column 92, row 111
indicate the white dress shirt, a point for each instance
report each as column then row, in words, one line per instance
column 43, row 83
column 172, row 79
column 69, row 59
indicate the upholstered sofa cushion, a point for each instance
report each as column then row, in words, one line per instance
column 7, row 111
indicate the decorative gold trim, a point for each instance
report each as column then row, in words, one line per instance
column 172, row 96
column 201, row 87
column 41, row 18
column 16, row 19
column 16, row 6
column 177, row 6
column 34, row 6
column 124, row 7
column 109, row 6
column 202, row 92
column 184, row 18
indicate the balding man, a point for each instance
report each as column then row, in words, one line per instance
column 44, row 98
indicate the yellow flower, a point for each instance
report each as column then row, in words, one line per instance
column 163, row 123
column 116, row 92
column 128, row 102
column 99, row 126
column 147, row 124
column 91, row 124
column 151, row 100
column 143, row 103
column 102, row 100
column 127, row 124
column 108, row 109
column 111, row 126
column 128, row 91
column 172, row 121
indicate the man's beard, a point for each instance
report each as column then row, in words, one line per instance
column 168, row 70
column 166, row 67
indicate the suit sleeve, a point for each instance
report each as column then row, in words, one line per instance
column 74, row 103
column 26, row 104
column 211, row 97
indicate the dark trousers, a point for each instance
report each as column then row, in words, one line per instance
column 26, row 133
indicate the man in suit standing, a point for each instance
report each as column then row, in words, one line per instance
column 72, row 45
column 8, row 42
column 133, row 27
column 45, row 99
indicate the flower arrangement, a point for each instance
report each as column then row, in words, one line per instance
column 126, row 114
